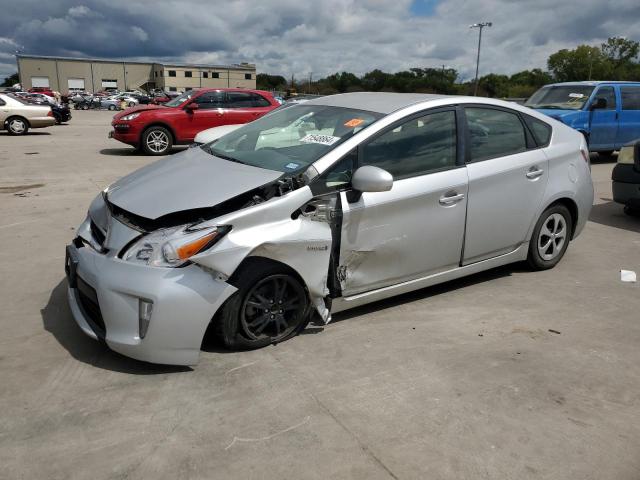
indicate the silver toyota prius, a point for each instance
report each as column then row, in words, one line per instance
column 317, row 208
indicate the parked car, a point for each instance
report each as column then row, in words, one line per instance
column 211, row 134
column 156, row 128
column 376, row 195
column 61, row 113
column 17, row 116
column 44, row 90
column 38, row 98
column 626, row 178
column 606, row 113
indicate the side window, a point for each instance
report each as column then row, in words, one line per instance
column 494, row 133
column 210, row 100
column 630, row 98
column 259, row 100
column 609, row 95
column 240, row 100
column 2, row 102
column 541, row 130
column 417, row 147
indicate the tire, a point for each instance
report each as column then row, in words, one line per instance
column 132, row 104
column 632, row 212
column 550, row 238
column 253, row 316
column 17, row 126
column 112, row 107
column 58, row 119
column 605, row 154
column 85, row 107
column 156, row 141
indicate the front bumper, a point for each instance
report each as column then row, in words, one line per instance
column 184, row 302
column 126, row 132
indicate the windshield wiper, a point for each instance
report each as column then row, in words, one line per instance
column 224, row 156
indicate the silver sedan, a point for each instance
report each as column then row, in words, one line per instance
column 318, row 208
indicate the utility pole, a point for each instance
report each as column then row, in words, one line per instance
column 310, row 77
column 480, row 26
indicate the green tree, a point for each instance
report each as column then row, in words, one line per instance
column 583, row 63
column 264, row 81
column 621, row 54
column 494, row 85
column 11, row 80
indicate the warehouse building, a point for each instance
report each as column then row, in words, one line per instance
column 93, row 75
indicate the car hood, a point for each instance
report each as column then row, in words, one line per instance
column 556, row 113
column 138, row 108
column 185, row 181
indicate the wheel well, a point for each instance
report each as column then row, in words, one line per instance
column 252, row 262
column 573, row 210
column 6, row 122
column 163, row 125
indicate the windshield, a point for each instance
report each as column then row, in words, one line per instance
column 180, row 99
column 291, row 138
column 565, row 97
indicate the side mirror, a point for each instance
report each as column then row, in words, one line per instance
column 369, row 179
column 599, row 103
column 190, row 107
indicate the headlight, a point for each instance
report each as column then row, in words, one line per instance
column 625, row 155
column 172, row 247
column 131, row 116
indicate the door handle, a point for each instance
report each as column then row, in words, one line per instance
column 451, row 198
column 534, row 172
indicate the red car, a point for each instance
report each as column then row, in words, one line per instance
column 44, row 90
column 156, row 128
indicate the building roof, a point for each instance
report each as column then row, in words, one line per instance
column 245, row 66
column 381, row 102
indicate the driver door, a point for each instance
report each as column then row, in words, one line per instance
column 604, row 122
column 416, row 228
column 209, row 114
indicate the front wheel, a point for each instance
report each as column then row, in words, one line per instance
column 132, row 104
column 112, row 107
column 550, row 238
column 270, row 306
column 17, row 126
column 157, row 141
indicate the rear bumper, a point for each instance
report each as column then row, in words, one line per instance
column 184, row 302
column 626, row 185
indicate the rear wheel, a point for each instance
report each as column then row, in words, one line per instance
column 156, row 141
column 550, row 238
column 112, row 107
column 270, row 306
column 132, row 104
column 17, row 126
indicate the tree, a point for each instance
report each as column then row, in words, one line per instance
column 264, row 81
column 495, row 85
column 11, row 80
column 583, row 63
column 621, row 53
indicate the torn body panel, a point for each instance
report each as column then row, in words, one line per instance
column 290, row 229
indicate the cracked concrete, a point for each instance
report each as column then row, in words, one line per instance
column 460, row 381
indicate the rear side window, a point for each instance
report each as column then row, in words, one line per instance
column 494, row 133
column 2, row 102
column 630, row 98
column 541, row 130
column 240, row 100
column 259, row 100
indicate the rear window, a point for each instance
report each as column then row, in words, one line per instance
column 541, row 130
column 630, row 98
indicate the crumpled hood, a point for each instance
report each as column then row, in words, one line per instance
column 184, row 181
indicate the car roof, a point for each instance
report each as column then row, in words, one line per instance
column 592, row 83
column 381, row 102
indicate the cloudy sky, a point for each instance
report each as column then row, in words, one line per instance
column 323, row 36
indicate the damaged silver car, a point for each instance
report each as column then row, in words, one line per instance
column 318, row 208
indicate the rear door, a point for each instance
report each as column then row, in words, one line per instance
column 507, row 179
column 244, row 107
column 417, row 227
column 629, row 127
column 604, row 122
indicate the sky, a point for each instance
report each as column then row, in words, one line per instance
column 324, row 36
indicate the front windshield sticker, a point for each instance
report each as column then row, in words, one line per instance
column 354, row 122
column 321, row 139
column 291, row 166
column 576, row 95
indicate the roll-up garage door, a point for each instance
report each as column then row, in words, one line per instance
column 40, row 82
column 109, row 83
column 76, row 83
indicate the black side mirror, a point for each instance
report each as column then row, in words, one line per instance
column 599, row 103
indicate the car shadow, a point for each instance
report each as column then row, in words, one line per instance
column 28, row 134
column 598, row 158
column 58, row 320
column 132, row 152
column 435, row 290
column 611, row 214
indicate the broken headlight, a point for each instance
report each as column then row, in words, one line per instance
column 173, row 247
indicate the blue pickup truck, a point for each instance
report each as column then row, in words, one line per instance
column 607, row 113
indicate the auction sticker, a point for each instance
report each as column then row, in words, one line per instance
column 291, row 166
column 354, row 122
column 321, row 139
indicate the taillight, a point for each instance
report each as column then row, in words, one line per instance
column 50, row 114
column 585, row 156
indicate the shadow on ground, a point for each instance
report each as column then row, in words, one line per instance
column 611, row 214
column 130, row 151
column 30, row 133
column 58, row 320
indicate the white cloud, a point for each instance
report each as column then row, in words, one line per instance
column 140, row 34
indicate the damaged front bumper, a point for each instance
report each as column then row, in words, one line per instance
column 108, row 298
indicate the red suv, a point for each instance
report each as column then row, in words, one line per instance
column 156, row 128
